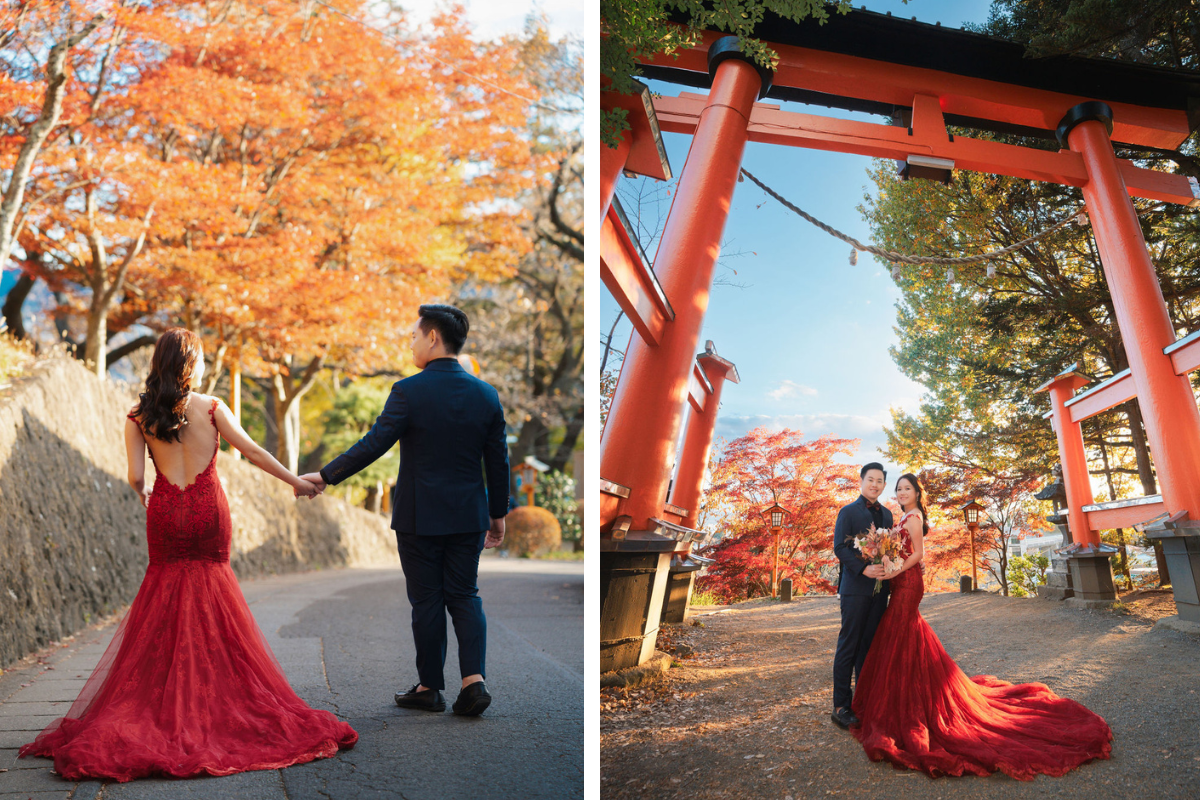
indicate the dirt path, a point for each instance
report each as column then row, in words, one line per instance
column 747, row 714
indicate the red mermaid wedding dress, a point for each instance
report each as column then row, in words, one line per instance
column 920, row 711
column 188, row 685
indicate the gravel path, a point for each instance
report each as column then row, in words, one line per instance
column 747, row 715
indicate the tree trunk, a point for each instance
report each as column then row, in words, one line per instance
column 13, row 304
column 62, row 326
column 291, row 438
column 95, row 349
column 285, row 395
column 565, row 449
column 56, row 80
column 235, row 394
column 287, row 418
column 1112, row 495
column 1160, row 559
column 374, row 501
column 1140, row 449
column 105, row 288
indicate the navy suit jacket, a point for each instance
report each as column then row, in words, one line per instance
column 447, row 422
column 853, row 520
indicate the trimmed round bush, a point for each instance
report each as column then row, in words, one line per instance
column 531, row 531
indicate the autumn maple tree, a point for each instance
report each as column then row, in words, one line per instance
column 751, row 473
column 286, row 180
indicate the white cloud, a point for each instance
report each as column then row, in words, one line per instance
column 869, row 430
column 785, row 390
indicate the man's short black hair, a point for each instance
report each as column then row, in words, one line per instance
column 451, row 324
column 873, row 465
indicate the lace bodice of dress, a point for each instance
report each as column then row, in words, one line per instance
column 189, row 523
column 906, row 546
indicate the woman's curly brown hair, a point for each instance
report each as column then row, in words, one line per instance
column 920, row 490
column 162, row 408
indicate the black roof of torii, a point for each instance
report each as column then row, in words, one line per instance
column 883, row 37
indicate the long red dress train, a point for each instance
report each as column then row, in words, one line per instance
column 188, row 685
column 920, row 711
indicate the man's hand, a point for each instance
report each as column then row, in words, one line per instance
column 315, row 479
column 874, row 571
column 306, row 489
column 496, row 534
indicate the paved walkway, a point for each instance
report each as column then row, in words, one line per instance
column 343, row 638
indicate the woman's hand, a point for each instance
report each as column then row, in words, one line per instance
column 144, row 495
column 303, row 488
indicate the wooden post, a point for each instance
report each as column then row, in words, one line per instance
column 235, row 389
column 972, row 530
column 775, row 565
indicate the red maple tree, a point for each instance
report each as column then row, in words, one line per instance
column 749, row 475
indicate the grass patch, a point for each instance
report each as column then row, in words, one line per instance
column 562, row 555
column 705, row 599
column 15, row 356
column 1121, row 607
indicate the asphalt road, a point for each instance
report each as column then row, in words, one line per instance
column 343, row 638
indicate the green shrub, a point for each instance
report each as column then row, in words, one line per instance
column 530, row 531
column 555, row 492
column 1026, row 573
column 354, row 411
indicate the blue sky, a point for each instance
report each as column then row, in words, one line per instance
column 808, row 332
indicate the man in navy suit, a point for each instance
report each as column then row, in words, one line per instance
column 862, row 608
column 444, row 515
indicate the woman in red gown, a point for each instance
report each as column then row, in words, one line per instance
column 920, row 711
column 188, row 685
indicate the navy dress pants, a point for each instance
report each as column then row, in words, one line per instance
column 860, row 618
column 441, row 574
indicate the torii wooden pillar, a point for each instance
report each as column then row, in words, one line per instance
column 698, row 436
column 637, row 447
column 1166, row 401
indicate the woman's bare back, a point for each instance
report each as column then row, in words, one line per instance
column 183, row 461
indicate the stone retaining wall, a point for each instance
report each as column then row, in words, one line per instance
column 72, row 532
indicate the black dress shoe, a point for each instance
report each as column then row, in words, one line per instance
column 844, row 717
column 427, row 700
column 472, row 700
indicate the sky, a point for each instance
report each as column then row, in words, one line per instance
column 809, row 333
column 495, row 18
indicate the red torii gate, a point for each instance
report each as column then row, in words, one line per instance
column 929, row 77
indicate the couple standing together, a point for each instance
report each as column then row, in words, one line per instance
column 911, row 704
column 188, row 685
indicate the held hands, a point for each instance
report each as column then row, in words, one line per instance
column 876, row 571
column 308, row 487
column 315, row 479
column 496, row 534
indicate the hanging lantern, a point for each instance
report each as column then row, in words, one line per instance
column 950, row 277
column 991, row 272
column 895, row 272
column 853, row 257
